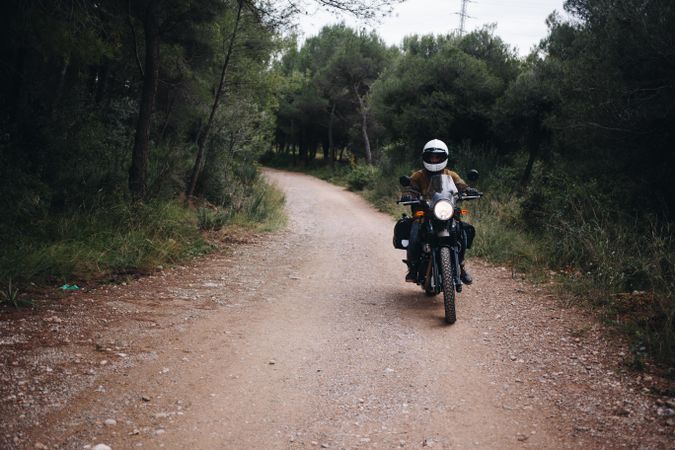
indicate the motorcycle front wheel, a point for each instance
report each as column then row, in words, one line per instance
column 448, row 286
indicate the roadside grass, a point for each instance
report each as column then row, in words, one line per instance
column 501, row 241
column 120, row 238
column 263, row 210
column 124, row 239
column 621, row 269
column 629, row 277
column 10, row 294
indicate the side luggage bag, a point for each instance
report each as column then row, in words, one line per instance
column 469, row 233
column 402, row 232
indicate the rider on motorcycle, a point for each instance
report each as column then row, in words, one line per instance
column 435, row 160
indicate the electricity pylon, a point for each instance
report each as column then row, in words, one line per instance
column 462, row 17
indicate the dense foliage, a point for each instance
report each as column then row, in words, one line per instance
column 326, row 101
column 114, row 110
column 78, row 83
column 104, row 112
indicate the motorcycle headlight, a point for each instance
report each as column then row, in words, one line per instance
column 443, row 210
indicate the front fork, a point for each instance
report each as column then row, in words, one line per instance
column 454, row 253
column 456, row 268
column 434, row 268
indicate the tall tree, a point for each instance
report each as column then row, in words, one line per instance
column 436, row 89
column 204, row 133
column 619, row 94
column 161, row 20
column 526, row 109
column 358, row 61
column 315, row 58
column 138, row 171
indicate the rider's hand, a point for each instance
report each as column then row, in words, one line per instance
column 471, row 191
column 407, row 197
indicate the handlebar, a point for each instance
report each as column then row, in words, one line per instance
column 409, row 202
column 471, row 197
column 461, row 197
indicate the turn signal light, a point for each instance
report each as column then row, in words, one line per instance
column 419, row 214
column 464, row 212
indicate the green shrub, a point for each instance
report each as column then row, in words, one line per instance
column 10, row 295
column 212, row 219
column 500, row 239
column 271, row 158
column 361, row 177
column 263, row 208
column 386, row 189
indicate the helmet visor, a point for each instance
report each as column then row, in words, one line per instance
column 435, row 157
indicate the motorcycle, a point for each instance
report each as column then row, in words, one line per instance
column 443, row 236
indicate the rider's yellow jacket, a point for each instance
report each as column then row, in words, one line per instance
column 420, row 180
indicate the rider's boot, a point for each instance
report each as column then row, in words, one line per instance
column 411, row 276
column 464, row 275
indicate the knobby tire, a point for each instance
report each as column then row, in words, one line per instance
column 448, row 286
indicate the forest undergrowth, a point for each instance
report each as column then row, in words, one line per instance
column 125, row 239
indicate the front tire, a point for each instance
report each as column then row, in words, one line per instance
column 448, row 286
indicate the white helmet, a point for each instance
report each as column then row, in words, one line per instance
column 435, row 155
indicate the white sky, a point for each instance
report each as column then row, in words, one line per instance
column 520, row 23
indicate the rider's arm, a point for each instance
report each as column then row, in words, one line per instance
column 417, row 182
column 461, row 184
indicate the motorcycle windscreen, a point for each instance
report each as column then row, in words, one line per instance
column 441, row 184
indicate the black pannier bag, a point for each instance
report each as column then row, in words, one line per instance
column 402, row 232
column 469, row 233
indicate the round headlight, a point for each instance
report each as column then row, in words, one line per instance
column 443, row 210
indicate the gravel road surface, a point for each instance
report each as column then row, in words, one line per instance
column 310, row 338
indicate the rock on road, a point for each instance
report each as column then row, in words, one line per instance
column 325, row 346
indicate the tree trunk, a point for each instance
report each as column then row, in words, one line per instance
column 302, row 152
column 167, row 119
column 201, row 141
column 364, row 125
column 331, row 145
column 17, row 83
column 138, row 172
column 293, row 141
column 59, row 88
column 533, row 148
column 102, row 85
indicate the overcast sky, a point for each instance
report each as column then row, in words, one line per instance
column 521, row 23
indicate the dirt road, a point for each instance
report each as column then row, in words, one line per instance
column 309, row 338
